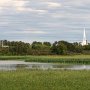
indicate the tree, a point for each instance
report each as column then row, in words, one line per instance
column 37, row 45
column 78, row 47
column 59, row 48
column 47, row 44
column 70, row 46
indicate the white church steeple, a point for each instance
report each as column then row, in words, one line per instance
column 84, row 42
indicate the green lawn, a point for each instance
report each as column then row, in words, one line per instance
column 44, row 80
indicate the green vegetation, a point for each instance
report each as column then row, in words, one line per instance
column 43, row 48
column 14, row 57
column 44, row 80
column 60, row 59
column 75, row 59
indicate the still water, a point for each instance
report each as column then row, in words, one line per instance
column 14, row 65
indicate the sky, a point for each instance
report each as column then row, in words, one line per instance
column 44, row 20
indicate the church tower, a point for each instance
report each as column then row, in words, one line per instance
column 84, row 42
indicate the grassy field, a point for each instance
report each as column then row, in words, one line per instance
column 44, row 80
column 76, row 59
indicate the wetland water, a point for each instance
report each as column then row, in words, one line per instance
column 14, row 65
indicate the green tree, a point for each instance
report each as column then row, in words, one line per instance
column 47, row 44
column 59, row 48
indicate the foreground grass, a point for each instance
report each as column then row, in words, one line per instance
column 76, row 59
column 45, row 80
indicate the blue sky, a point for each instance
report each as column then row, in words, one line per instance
column 44, row 20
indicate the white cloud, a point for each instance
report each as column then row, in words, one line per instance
column 76, row 3
column 19, row 6
column 14, row 4
column 19, row 3
column 34, row 32
column 4, row 23
column 54, row 4
column 29, row 31
column 3, row 2
column 39, row 11
column 56, row 15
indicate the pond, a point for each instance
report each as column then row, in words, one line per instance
column 14, row 65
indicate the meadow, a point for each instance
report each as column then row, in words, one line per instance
column 71, row 59
column 45, row 80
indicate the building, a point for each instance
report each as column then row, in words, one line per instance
column 84, row 42
column 2, row 44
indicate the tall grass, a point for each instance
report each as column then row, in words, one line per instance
column 45, row 80
column 60, row 60
column 77, row 59
column 12, row 57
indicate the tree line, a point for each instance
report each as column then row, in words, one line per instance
column 43, row 48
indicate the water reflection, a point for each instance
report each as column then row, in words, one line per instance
column 14, row 65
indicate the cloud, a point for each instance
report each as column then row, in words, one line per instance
column 20, row 6
column 77, row 3
column 58, row 18
column 3, row 2
column 33, row 32
column 3, row 23
column 54, row 4
column 39, row 11
column 13, row 4
column 57, row 15
column 19, row 3
column 27, row 31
